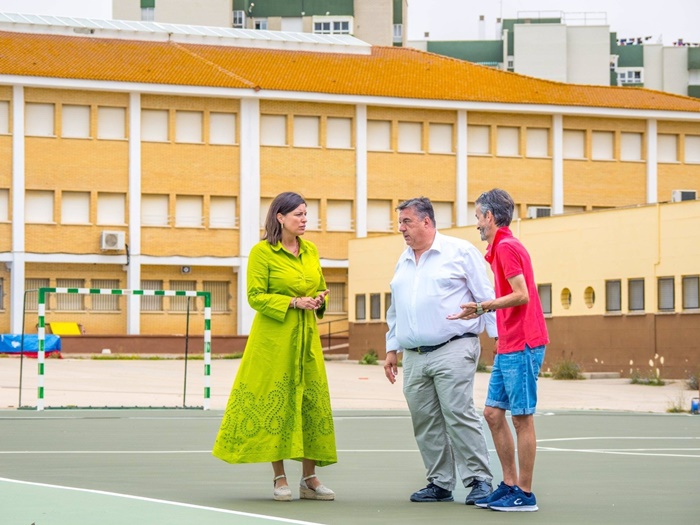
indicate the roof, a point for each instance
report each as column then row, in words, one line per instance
column 385, row 72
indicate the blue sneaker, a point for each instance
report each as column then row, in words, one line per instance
column 501, row 490
column 515, row 501
column 432, row 493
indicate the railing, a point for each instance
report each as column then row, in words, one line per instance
column 328, row 334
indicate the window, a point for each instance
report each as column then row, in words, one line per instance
column 379, row 215
column 264, row 208
column 692, row 149
column 691, row 292
column 378, row 135
column 152, row 303
column 440, row 138
column 313, row 222
column 188, row 211
column 239, row 19
column 75, row 207
column 410, row 137
column 75, row 121
column 565, row 298
column 630, row 146
column 332, row 27
column 339, row 216
column 375, row 306
column 338, row 133
column 70, row 301
column 4, row 205
column 537, row 142
column 306, row 132
column 667, row 299
column 398, row 33
column 602, row 145
column 222, row 128
column 443, row 214
column 154, row 125
column 574, row 144
column 635, row 295
column 507, row 141
column 219, row 295
column 111, row 123
column 336, row 298
column 105, row 302
column 179, row 302
column 110, row 209
column 38, row 207
column 154, row 210
column 148, row 14
column 630, row 76
column 613, row 296
column 273, row 130
column 478, row 140
column 222, row 212
column 32, row 297
column 545, row 293
column 260, row 23
column 668, row 148
column 39, row 120
column 188, row 127
column 2, row 294
column 360, row 314
column 4, row 117
column 387, row 303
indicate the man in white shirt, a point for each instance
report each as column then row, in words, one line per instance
column 433, row 277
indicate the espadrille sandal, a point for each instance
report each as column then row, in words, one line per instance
column 321, row 492
column 283, row 493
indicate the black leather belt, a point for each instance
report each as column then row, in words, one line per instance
column 427, row 348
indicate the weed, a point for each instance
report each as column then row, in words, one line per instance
column 481, row 366
column 651, row 379
column 370, row 358
column 566, row 369
column 677, row 406
column 692, row 381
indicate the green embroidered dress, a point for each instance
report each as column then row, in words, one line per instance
column 279, row 407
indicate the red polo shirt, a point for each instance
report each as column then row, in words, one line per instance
column 518, row 325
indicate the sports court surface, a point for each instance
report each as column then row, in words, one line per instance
column 154, row 466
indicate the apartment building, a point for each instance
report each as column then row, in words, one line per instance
column 139, row 155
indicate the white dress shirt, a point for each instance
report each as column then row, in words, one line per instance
column 452, row 272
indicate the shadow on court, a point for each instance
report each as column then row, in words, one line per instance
column 79, row 467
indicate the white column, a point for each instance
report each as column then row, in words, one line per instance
column 249, row 203
column 133, row 270
column 557, row 164
column 17, row 269
column 361, row 170
column 462, row 171
column 652, row 161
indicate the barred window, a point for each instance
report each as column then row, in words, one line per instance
column 152, row 303
column 32, row 297
column 360, row 307
column 105, row 303
column 613, row 296
column 336, row 298
column 179, row 303
column 219, row 291
column 70, row 301
column 636, row 295
column 545, row 293
column 375, row 306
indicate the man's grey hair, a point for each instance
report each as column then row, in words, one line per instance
column 499, row 203
column 422, row 206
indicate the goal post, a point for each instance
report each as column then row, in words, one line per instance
column 41, row 328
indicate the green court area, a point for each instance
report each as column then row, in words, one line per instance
column 116, row 467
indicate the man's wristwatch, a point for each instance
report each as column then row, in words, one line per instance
column 479, row 309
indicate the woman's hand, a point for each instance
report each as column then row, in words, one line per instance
column 311, row 303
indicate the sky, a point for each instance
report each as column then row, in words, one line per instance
column 664, row 20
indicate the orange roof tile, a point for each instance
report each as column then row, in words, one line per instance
column 386, row 72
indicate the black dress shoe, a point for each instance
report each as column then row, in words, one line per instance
column 480, row 489
column 432, row 493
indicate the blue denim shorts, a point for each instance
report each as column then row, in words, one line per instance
column 513, row 384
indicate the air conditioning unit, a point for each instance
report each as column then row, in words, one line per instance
column 683, row 195
column 533, row 212
column 112, row 240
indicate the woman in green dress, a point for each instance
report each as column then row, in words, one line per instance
column 279, row 407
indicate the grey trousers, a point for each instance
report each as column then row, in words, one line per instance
column 439, row 389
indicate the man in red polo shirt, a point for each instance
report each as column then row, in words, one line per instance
column 522, row 336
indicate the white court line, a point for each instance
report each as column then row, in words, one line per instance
column 593, row 438
column 620, row 452
column 161, row 501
